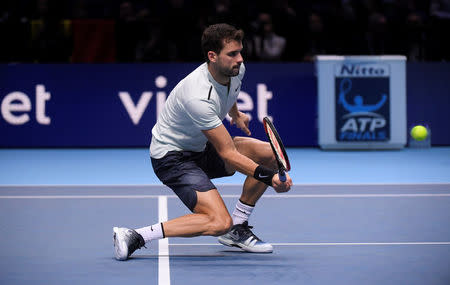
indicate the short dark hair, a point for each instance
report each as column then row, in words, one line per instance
column 215, row 36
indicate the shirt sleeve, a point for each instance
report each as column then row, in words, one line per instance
column 202, row 114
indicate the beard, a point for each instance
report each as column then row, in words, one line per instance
column 230, row 72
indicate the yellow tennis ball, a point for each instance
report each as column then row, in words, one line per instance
column 419, row 133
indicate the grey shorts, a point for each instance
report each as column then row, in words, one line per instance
column 186, row 172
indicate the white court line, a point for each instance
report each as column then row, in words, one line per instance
column 346, row 195
column 328, row 243
column 158, row 185
column 81, row 196
column 163, row 245
column 281, row 196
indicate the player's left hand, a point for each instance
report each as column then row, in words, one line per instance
column 242, row 120
column 280, row 186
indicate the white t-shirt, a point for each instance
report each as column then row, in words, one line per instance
column 197, row 103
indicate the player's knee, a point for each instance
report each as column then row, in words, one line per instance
column 268, row 158
column 220, row 225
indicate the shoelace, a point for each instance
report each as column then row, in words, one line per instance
column 137, row 242
column 244, row 231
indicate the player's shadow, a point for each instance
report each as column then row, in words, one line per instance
column 155, row 256
column 229, row 258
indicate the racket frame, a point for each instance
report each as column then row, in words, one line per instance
column 281, row 168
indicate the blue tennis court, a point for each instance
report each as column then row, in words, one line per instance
column 365, row 217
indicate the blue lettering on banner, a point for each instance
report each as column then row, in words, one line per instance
column 362, row 69
column 362, row 108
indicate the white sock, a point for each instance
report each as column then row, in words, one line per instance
column 152, row 232
column 241, row 212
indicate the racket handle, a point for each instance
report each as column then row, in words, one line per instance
column 282, row 176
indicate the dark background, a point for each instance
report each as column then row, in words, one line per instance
column 170, row 30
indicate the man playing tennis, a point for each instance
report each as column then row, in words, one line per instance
column 190, row 146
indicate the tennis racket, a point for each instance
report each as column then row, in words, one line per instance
column 278, row 148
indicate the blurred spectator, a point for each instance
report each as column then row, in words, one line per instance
column 377, row 28
column 440, row 29
column 150, row 45
column 93, row 9
column 80, row 9
column 221, row 12
column 440, row 9
column 94, row 41
column 50, row 33
column 349, row 33
column 265, row 44
column 177, row 23
column 316, row 38
column 416, row 17
column 127, row 33
column 15, row 31
column 287, row 24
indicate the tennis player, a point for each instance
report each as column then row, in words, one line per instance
column 190, row 146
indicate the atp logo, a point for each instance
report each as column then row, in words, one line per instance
column 362, row 108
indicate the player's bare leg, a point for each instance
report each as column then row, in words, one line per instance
column 210, row 217
column 261, row 153
column 240, row 234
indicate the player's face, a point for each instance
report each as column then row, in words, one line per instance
column 230, row 59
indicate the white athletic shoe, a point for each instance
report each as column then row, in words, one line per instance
column 126, row 241
column 241, row 236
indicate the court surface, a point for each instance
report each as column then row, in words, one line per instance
column 352, row 218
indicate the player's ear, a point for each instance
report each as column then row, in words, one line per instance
column 212, row 56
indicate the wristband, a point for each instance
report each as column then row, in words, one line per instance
column 264, row 174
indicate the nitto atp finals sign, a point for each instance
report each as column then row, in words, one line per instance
column 362, row 101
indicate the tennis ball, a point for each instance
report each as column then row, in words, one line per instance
column 419, row 133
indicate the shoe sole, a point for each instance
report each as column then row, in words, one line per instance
column 120, row 246
column 243, row 246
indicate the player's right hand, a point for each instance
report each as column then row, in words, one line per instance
column 242, row 120
column 280, row 186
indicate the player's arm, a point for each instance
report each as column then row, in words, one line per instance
column 224, row 145
column 240, row 119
